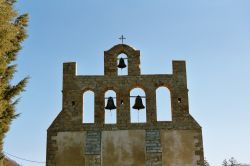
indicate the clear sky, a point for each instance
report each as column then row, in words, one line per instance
column 213, row 36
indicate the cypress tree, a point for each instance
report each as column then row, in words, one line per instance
column 12, row 33
column 206, row 163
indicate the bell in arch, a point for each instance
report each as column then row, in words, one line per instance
column 121, row 63
column 110, row 104
column 138, row 103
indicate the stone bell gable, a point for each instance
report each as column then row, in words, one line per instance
column 161, row 143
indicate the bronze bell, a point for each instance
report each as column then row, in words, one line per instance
column 121, row 64
column 138, row 103
column 110, row 104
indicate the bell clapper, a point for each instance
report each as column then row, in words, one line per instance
column 138, row 115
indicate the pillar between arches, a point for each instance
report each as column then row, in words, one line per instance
column 151, row 106
column 99, row 108
column 123, row 109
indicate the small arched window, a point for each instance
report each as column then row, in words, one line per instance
column 137, row 116
column 110, row 114
column 163, row 104
column 88, row 107
column 122, row 61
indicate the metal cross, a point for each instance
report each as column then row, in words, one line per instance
column 122, row 38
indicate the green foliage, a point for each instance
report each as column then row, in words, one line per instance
column 224, row 163
column 206, row 163
column 12, row 33
column 230, row 162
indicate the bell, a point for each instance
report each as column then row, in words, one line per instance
column 110, row 104
column 121, row 64
column 138, row 103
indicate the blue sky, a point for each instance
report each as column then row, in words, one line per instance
column 213, row 36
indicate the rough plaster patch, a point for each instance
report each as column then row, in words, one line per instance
column 178, row 148
column 123, row 148
column 70, row 148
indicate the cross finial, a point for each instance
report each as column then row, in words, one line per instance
column 122, row 38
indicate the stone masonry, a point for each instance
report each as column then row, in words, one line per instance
column 154, row 143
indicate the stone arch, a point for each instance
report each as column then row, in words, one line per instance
column 121, row 48
column 166, row 84
column 138, row 85
column 85, row 89
column 110, row 116
column 109, row 87
column 135, row 115
column 163, row 104
column 110, row 60
column 88, row 110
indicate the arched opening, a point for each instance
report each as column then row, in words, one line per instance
column 88, row 107
column 124, row 58
column 163, row 104
column 137, row 116
column 110, row 114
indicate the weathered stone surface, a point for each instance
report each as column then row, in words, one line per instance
column 153, row 159
column 69, row 148
column 153, row 142
column 167, row 143
column 123, row 147
column 93, row 142
column 179, row 146
column 92, row 160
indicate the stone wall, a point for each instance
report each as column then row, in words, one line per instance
column 176, row 142
column 128, row 148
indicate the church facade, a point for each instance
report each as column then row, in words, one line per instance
column 70, row 142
